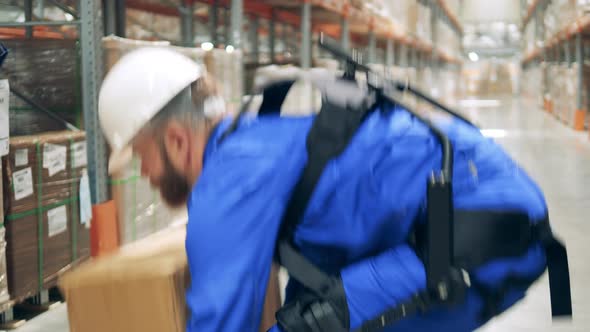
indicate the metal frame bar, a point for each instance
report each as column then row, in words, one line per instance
column 38, row 23
column 226, row 26
column 214, row 21
column 272, row 36
column 306, row 35
column 237, row 12
column 254, row 39
column 91, row 76
column 389, row 57
column 345, row 33
column 109, row 22
column 285, row 37
column 187, row 29
column 120, row 18
column 372, row 47
column 28, row 18
column 580, row 71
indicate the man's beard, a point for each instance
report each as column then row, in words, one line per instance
column 174, row 188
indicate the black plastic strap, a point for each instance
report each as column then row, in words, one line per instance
column 558, row 268
column 302, row 270
column 419, row 303
column 329, row 136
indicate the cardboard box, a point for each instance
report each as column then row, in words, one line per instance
column 140, row 288
column 42, row 176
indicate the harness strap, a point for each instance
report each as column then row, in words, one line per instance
column 419, row 303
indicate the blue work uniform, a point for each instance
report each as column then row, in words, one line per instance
column 357, row 222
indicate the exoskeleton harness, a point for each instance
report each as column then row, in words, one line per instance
column 451, row 242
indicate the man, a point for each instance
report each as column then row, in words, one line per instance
column 161, row 106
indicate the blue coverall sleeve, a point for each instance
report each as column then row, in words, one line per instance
column 382, row 282
column 230, row 241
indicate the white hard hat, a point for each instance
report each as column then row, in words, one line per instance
column 136, row 88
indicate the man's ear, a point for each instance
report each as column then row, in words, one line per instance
column 177, row 144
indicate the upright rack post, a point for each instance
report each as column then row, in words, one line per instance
column 580, row 114
column 372, row 46
column 345, row 32
column 214, row 21
column 91, row 77
column 28, row 18
column 120, row 18
column 272, row 36
column 306, row 35
column 187, row 24
column 389, row 53
column 237, row 11
column 254, row 25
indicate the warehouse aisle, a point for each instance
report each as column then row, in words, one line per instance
column 559, row 159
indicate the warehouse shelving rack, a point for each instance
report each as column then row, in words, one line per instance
column 89, row 27
column 565, row 46
column 85, row 18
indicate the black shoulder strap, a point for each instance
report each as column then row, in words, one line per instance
column 329, row 136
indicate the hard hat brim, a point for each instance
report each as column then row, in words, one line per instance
column 120, row 159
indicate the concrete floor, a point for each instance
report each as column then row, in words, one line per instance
column 559, row 159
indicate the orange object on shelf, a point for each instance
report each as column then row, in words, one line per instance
column 579, row 120
column 104, row 234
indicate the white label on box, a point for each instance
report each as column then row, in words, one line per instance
column 85, row 205
column 57, row 220
column 54, row 158
column 21, row 157
column 23, row 183
column 79, row 152
column 4, row 117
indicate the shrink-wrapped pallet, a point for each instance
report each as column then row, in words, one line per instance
column 46, row 72
column 44, row 232
column 140, row 209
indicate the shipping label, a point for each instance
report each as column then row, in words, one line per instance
column 54, row 158
column 21, row 157
column 57, row 221
column 23, row 183
column 79, row 154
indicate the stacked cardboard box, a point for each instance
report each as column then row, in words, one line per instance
column 404, row 13
column 44, row 232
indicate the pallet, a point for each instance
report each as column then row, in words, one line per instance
column 16, row 313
